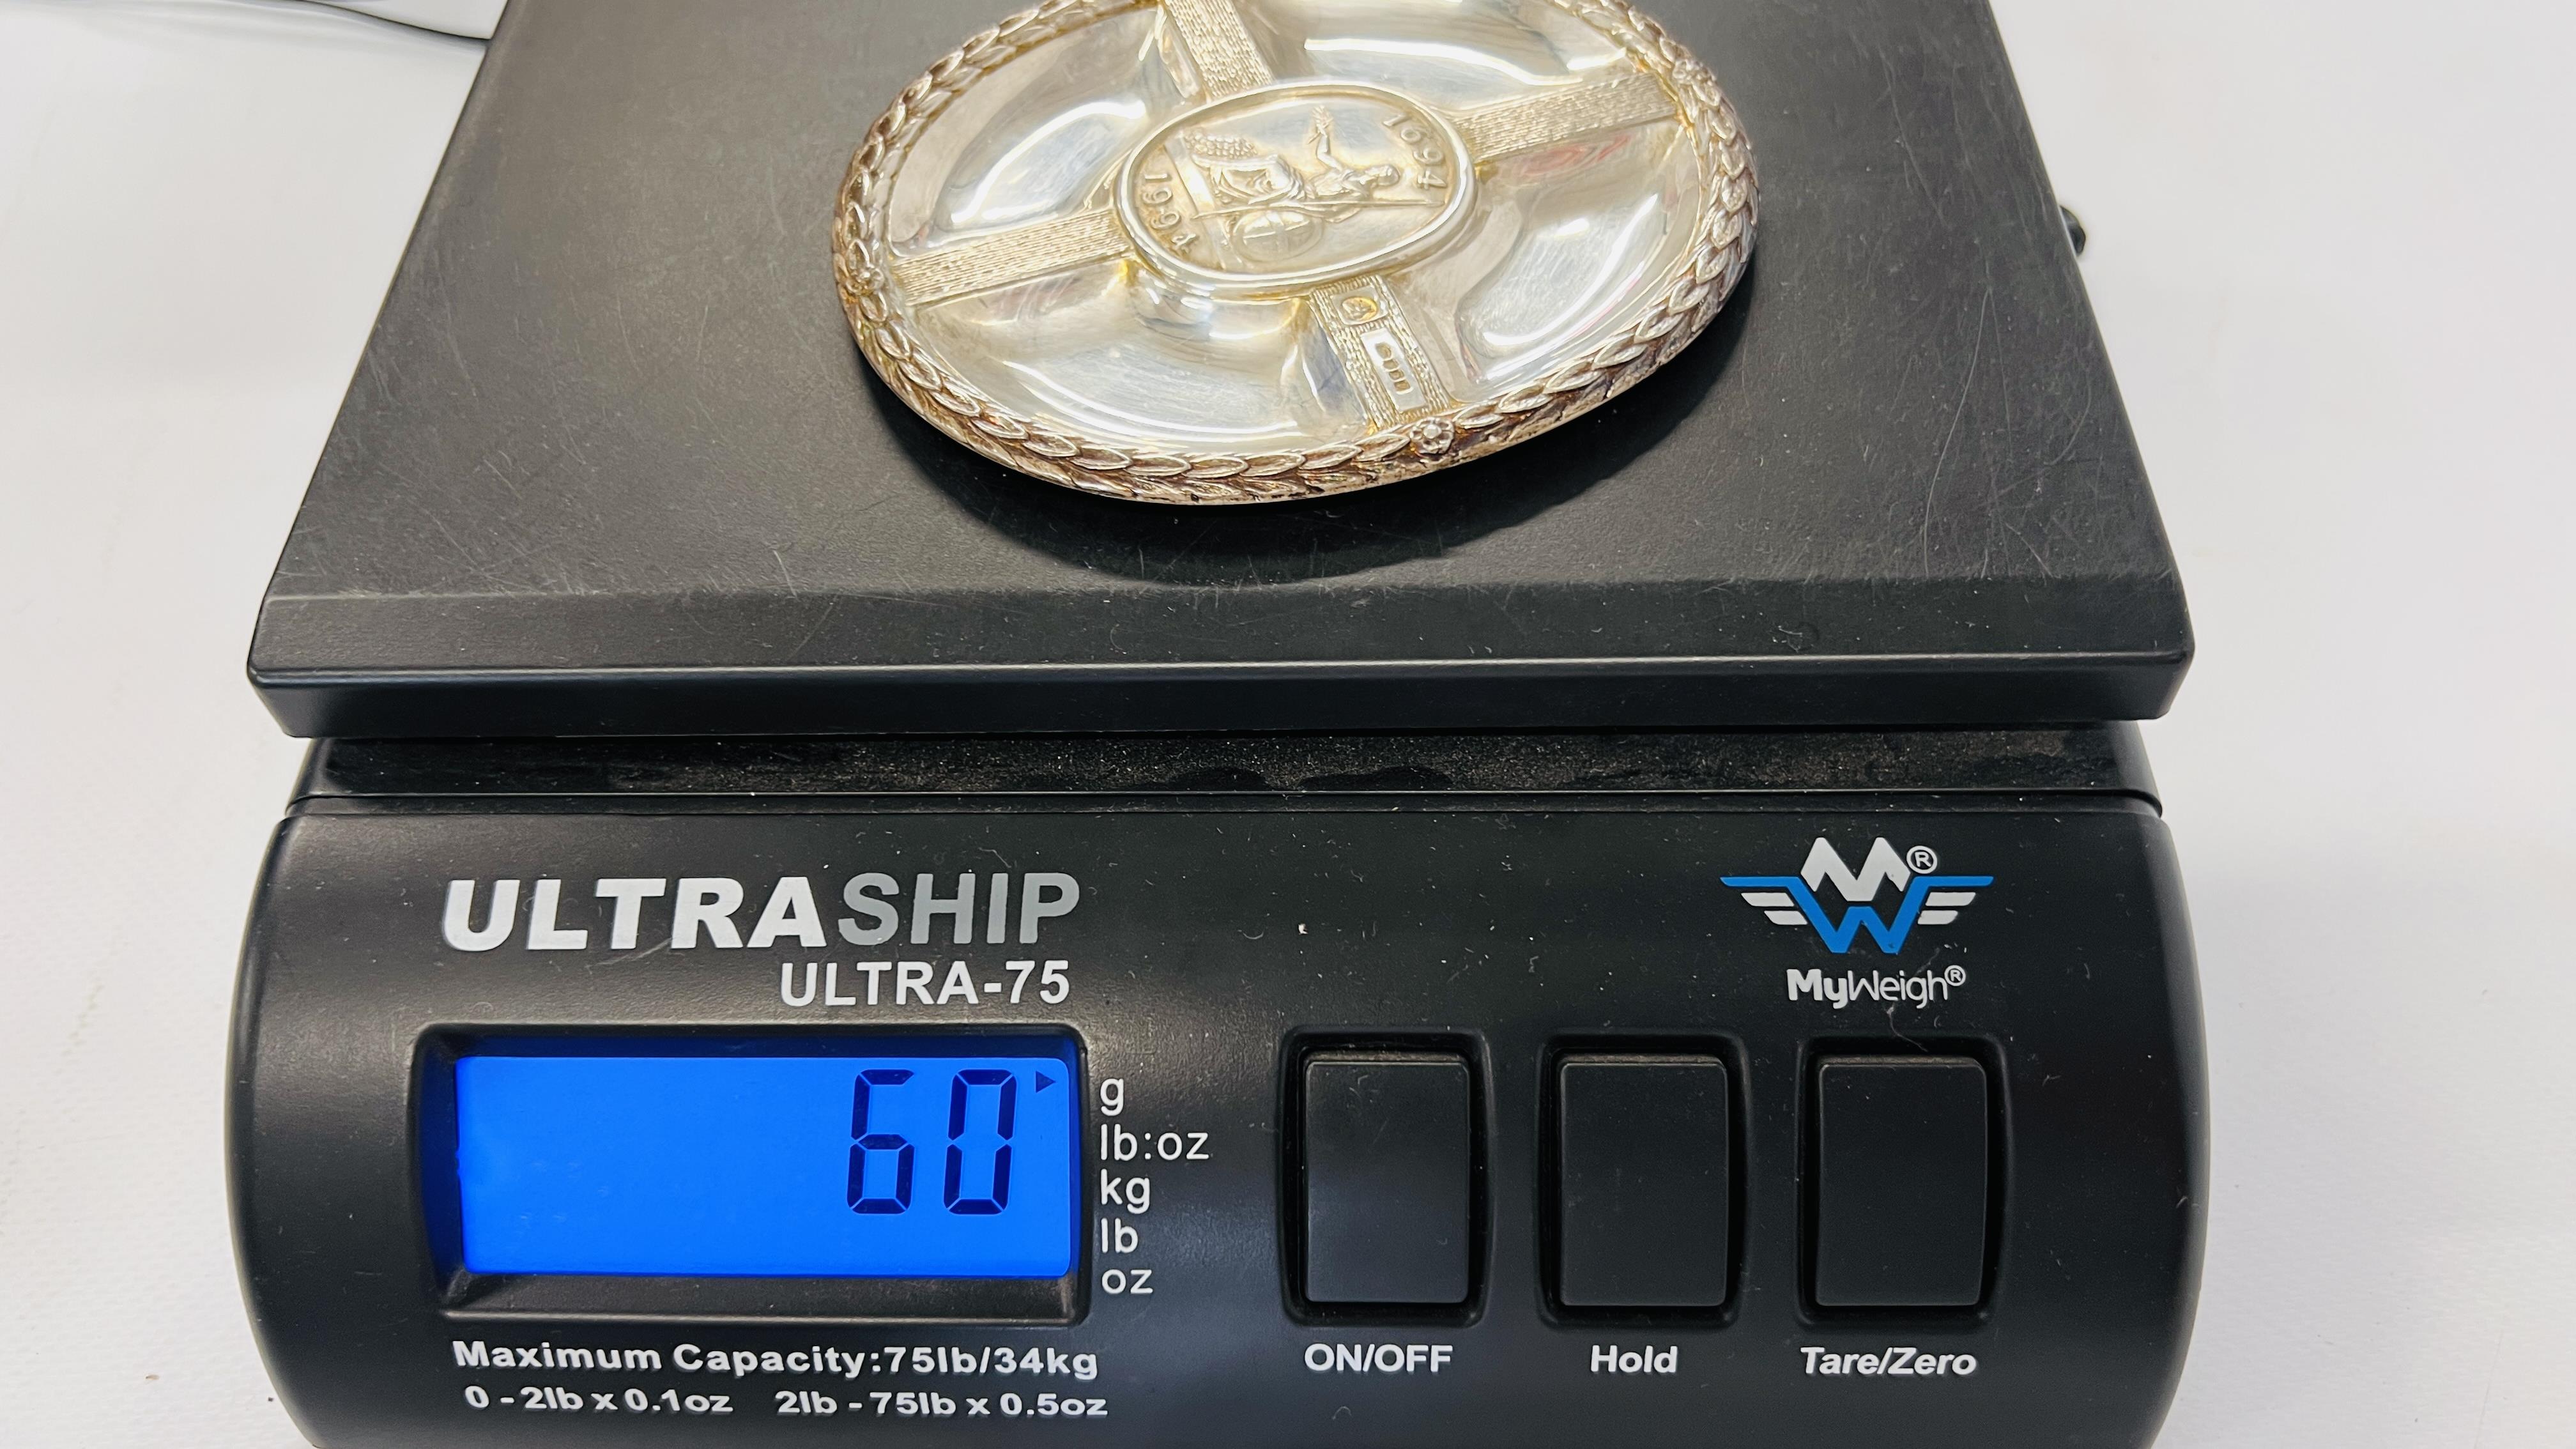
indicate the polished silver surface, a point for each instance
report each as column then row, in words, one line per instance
column 1245, row 250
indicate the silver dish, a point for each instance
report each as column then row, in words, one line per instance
column 1241, row 251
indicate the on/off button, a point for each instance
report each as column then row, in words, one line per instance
column 1387, row 1161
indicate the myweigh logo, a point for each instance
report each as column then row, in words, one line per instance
column 1927, row 899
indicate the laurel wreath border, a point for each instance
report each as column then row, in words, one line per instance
column 909, row 366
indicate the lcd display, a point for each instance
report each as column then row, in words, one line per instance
column 892, row 1159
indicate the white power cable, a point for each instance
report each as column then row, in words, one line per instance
column 471, row 18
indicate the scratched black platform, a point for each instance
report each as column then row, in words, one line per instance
column 612, row 465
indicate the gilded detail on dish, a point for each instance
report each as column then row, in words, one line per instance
column 1459, row 307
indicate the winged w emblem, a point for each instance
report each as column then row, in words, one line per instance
column 1926, row 899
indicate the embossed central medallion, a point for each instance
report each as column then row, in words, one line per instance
column 1291, row 186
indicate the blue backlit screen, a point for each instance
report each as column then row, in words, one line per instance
column 952, row 1158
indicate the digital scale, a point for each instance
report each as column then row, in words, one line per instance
column 789, row 933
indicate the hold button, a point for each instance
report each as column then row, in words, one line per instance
column 1642, row 1182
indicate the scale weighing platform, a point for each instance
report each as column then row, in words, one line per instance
column 791, row 934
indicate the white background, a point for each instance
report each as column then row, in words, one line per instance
column 2329, row 246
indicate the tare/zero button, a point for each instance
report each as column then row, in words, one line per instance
column 1903, row 1157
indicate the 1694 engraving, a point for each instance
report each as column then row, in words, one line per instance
column 1289, row 187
